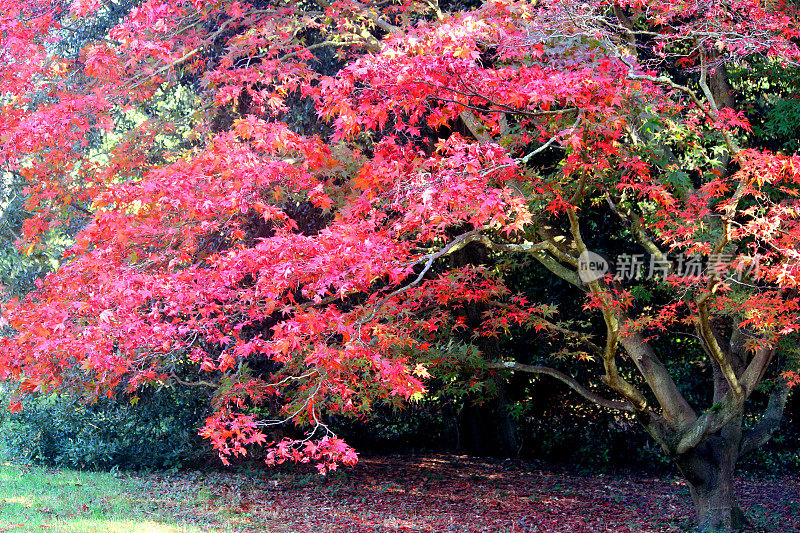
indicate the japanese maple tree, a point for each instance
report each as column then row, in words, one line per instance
column 312, row 270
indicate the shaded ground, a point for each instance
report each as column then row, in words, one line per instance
column 433, row 494
column 448, row 494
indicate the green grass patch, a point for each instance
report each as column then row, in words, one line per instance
column 47, row 499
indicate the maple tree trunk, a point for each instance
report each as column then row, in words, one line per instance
column 709, row 471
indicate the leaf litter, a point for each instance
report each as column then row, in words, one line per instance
column 452, row 494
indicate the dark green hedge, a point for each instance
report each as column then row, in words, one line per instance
column 158, row 431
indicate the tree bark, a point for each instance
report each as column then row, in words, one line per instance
column 709, row 469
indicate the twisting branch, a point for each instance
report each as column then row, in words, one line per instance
column 564, row 273
column 719, row 414
column 525, row 247
column 539, row 251
column 704, row 323
column 571, row 382
column 677, row 412
column 451, row 247
column 612, row 377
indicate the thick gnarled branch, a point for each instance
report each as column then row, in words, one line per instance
column 676, row 410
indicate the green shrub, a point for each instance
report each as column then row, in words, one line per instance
column 159, row 431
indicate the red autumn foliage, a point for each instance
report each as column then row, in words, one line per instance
column 500, row 127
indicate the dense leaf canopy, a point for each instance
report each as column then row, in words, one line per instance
column 306, row 263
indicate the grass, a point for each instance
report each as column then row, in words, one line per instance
column 380, row 494
column 42, row 499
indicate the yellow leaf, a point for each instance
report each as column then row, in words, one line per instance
column 421, row 371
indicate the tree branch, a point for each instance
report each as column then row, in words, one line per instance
column 199, row 383
column 676, row 410
column 770, row 421
column 719, row 414
column 711, row 421
column 539, row 251
column 634, row 222
column 755, row 369
column 559, row 270
column 714, row 349
column 612, row 378
column 571, row 382
column 451, row 247
column 553, row 139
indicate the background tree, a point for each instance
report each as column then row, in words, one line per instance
column 319, row 273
